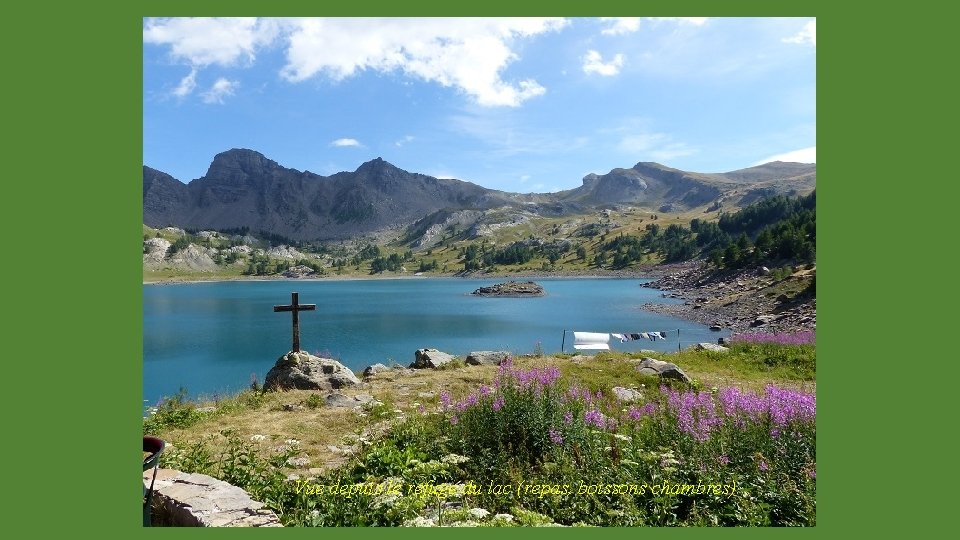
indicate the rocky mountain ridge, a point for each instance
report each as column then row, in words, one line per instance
column 243, row 188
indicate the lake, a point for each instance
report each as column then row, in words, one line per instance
column 211, row 338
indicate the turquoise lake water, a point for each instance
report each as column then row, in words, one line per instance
column 211, row 337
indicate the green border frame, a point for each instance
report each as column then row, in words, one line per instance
column 75, row 101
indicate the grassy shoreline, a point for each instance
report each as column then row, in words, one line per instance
column 291, row 438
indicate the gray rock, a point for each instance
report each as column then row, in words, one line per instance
column 336, row 399
column 303, row 371
column 198, row 500
column 710, row 347
column 370, row 371
column 763, row 320
column 716, row 328
column 298, row 461
column 430, row 358
column 627, row 395
column 666, row 370
column 723, row 341
column 363, row 398
column 489, row 358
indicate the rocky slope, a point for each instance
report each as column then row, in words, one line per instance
column 754, row 300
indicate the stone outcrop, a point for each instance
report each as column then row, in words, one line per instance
column 303, row 371
column 710, row 347
column 430, row 358
column 666, row 370
column 487, row 358
column 196, row 500
column 511, row 289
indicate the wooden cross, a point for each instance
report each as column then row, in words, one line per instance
column 296, row 307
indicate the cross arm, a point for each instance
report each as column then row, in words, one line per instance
column 299, row 307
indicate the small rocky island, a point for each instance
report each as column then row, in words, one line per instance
column 511, row 289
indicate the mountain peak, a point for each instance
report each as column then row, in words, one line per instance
column 240, row 162
column 377, row 164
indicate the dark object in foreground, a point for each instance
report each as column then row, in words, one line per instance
column 512, row 289
column 152, row 448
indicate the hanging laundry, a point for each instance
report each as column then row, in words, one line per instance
column 644, row 335
column 621, row 337
column 634, row 336
column 591, row 340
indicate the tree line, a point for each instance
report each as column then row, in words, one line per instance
column 774, row 229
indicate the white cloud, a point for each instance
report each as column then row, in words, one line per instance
column 469, row 53
column 621, row 25
column 657, row 146
column 628, row 25
column 803, row 155
column 345, row 142
column 806, row 36
column 695, row 21
column 593, row 63
column 221, row 89
column 205, row 41
column 465, row 53
column 524, row 178
column 187, row 84
column 404, row 140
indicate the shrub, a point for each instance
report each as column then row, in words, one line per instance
column 172, row 412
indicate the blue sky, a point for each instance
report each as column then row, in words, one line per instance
column 524, row 104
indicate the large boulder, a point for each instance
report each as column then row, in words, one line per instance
column 487, row 358
column 303, row 371
column 430, row 358
column 627, row 395
column 666, row 370
column 710, row 347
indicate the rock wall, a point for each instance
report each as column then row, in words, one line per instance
column 196, row 500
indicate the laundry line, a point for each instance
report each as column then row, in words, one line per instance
column 600, row 341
